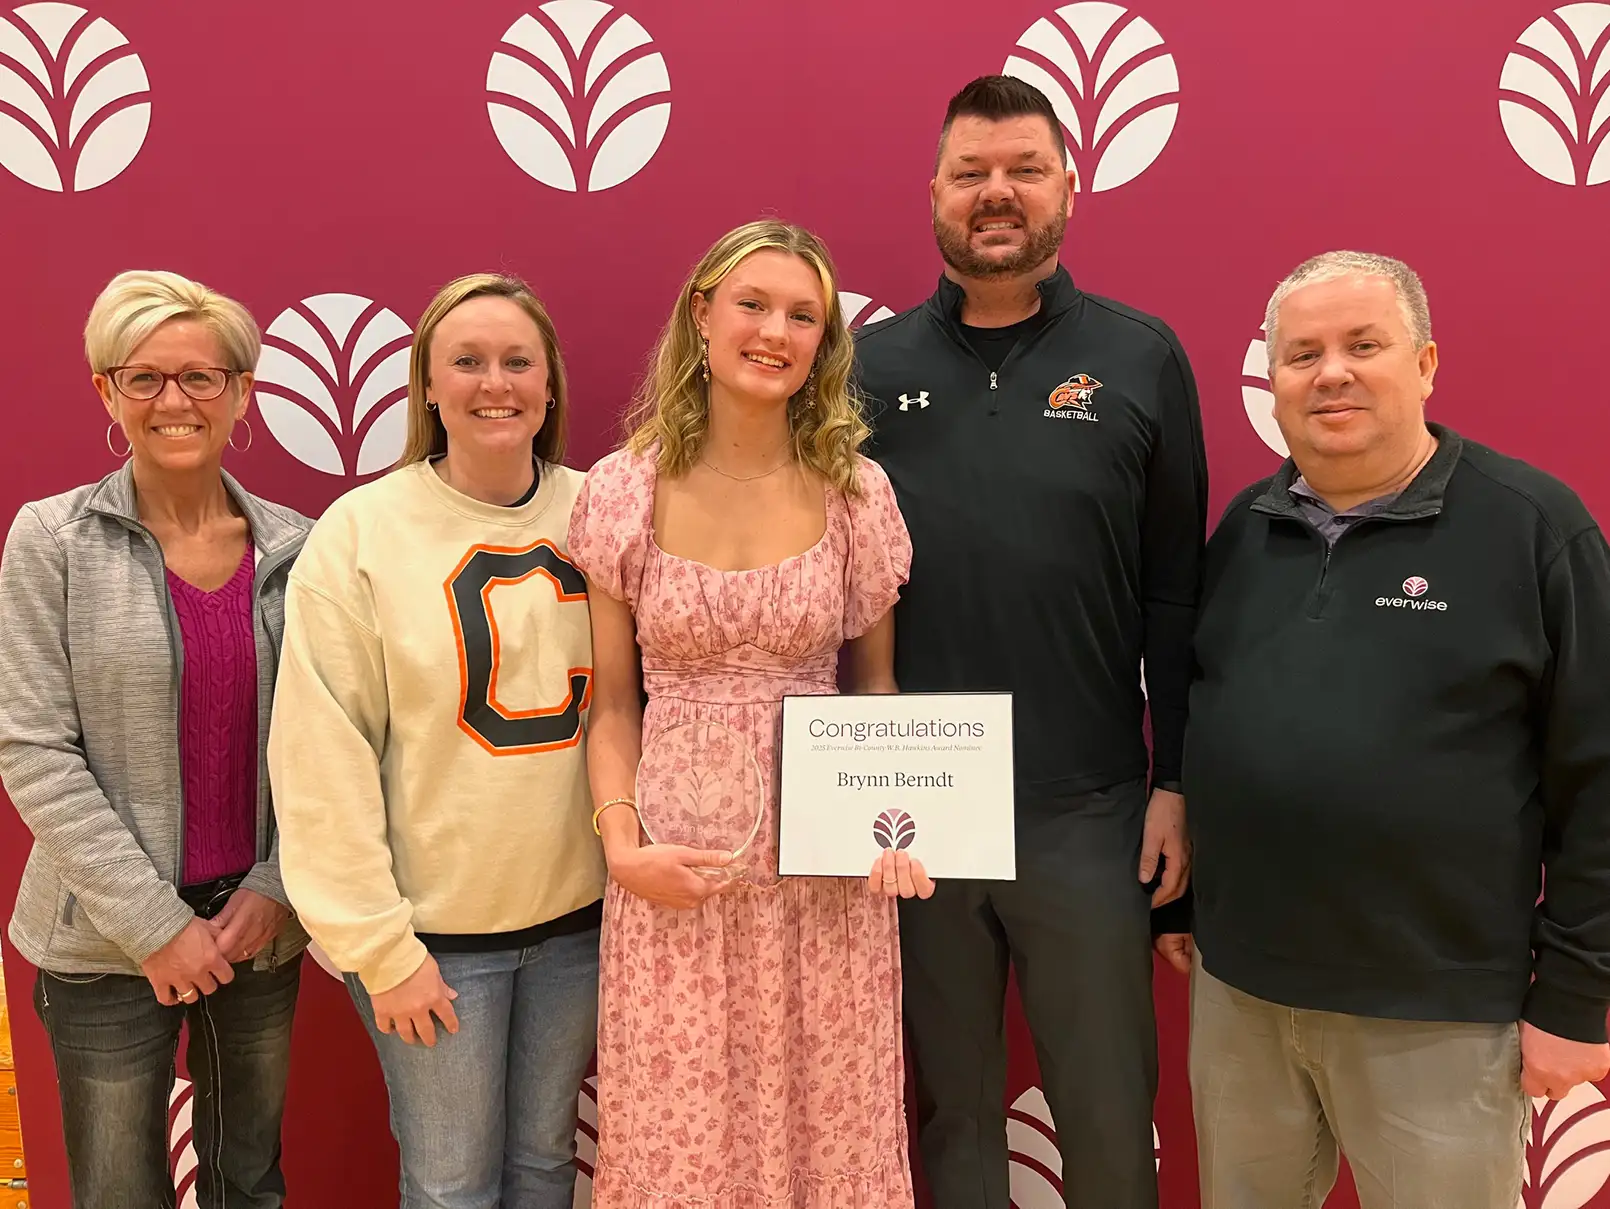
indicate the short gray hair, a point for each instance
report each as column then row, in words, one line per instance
column 136, row 303
column 1328, row 266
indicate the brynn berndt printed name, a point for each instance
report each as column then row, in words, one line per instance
column 897, row 780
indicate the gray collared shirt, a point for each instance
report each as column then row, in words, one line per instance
column 1332, row 524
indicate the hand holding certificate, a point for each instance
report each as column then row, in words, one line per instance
column 929, row 774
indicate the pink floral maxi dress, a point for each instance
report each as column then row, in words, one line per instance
column 749, row 1050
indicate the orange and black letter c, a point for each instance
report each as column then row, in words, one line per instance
column 497, row 728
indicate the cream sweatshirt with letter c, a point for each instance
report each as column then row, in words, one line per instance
column 427, row 751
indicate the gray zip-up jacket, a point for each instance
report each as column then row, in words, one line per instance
column 90, row 661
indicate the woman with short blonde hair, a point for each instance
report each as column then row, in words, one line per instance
column 750, row 1033
column 143, row 618
column 429, row 763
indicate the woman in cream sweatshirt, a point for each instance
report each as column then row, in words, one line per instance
column 428, row 761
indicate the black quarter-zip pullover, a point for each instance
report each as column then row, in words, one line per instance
column 1057, row 507
column 1392, row 738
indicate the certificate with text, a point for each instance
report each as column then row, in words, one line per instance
column 925, row 773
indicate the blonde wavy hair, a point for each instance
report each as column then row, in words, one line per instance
column 426, row 436
column 672, row 406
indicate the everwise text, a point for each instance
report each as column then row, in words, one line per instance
column 898, row 780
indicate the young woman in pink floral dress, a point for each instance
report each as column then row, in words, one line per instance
column 749, row 1030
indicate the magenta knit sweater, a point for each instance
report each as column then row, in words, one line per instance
column 218, row 724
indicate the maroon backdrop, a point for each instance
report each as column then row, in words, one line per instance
column 332, row 164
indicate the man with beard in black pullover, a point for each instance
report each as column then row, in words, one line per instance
column 1046, row 449
column 1400, row 734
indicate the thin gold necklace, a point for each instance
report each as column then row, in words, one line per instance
column 747, row 478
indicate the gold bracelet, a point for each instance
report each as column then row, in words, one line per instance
column 607, row 805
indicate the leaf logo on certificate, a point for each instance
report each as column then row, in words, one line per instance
column 894, row 829
column 893, row 759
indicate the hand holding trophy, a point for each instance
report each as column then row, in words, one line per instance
column 700, row 801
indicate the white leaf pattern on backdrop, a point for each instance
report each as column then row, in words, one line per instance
column 586, row 1141
column 1034, row 1165
column 332, row 383
column 1256, row 396
column 1568, row 1157
column 1554, row 112
column 78, row 94
column 579, row 94
column 1112, row 82
column 859, row 310
column 181, row 1142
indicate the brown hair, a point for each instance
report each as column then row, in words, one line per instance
column 996, row 98
column 426, row 436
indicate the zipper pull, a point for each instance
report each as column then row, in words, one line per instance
column 992, row 379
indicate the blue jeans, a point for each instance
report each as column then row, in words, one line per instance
column 487, row 1118
column 114, row 1046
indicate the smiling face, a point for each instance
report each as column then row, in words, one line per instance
column 1347, row 379
column 174, row 432
column 764, row 323
column 488, row 377
column 1002, row 196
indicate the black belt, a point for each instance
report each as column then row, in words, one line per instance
column 206, row 899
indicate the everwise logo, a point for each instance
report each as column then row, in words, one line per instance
column 75, row 103
column 332, row 383
column 1552, row 99
column 1112, row 82
column 859, row 309
column 1257, row 398
column 580, row 97
column 1414, row 590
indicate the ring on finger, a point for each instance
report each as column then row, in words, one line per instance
column 189, row 996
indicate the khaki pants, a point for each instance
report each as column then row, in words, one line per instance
column 1429, row 1115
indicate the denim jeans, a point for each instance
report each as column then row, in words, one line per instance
column 487, row 1118
column 114, row 1046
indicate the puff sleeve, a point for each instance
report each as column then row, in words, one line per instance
column 610, row 522
column 879, row 559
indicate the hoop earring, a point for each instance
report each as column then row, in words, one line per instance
column 114, row 452
column 550, row 404
column 429, row 406
column 704, row 358
column 249, row 436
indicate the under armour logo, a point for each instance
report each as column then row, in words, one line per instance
column 921, row 400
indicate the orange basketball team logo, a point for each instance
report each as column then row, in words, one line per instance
column 1075, row 392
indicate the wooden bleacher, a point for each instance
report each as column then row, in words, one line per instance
column 13, row 1172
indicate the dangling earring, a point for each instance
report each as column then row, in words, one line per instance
column 429, row 406
column 249, row 435
column 115, row 453
column 704, row 358
column 810, row 389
